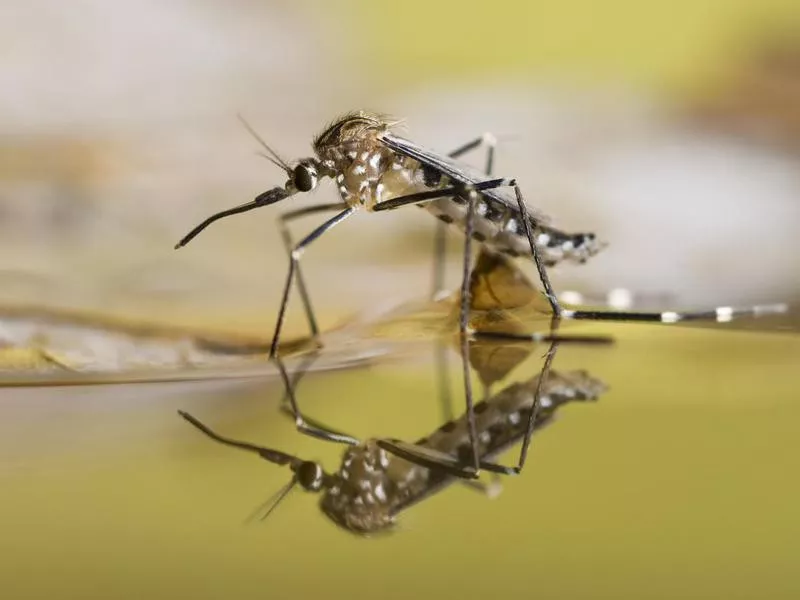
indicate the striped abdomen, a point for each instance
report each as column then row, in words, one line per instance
column 501, row 228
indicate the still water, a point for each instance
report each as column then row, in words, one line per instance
column 679, row 481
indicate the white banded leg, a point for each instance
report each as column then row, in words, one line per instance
column 721, row 314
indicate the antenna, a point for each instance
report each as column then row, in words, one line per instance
column 271, row 155
column 265, row 509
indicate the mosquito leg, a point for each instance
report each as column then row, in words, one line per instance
column 300, row 422
column 721, row 314
column 543, row 277
column 293, row 383
column 440, row 235
column 448, row 192
column 470, row 198
column 488, row 140
column 284, row 221
column 294, row 260
column 442, row 350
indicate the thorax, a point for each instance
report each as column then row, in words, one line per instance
column 367, row 173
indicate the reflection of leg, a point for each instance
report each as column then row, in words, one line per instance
column 304, row 425
column 288, row 244
column 463, row 328
column 526, row 442
column 274, row 456
column 488, row 140
column 294, row 261
column 286, row 406
column 495, row 485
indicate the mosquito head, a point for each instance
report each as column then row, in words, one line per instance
column 304, row 176
column 309, row 475
column 360, row 497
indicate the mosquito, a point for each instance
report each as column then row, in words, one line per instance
column 376, row 170
column 381, row 477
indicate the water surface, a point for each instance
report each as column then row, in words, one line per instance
column 679, row 482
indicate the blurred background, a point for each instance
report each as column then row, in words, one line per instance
column 671, row 129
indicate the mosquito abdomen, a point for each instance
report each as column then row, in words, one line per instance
column 501, row 228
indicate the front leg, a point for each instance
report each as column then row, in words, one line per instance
column 294, row 261
column 286, row 236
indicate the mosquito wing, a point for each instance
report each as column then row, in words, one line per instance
column 456, row 171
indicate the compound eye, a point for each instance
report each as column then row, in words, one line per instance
column 309, row 476
column 305, row 178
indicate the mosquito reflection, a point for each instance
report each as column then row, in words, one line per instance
column 379, row 478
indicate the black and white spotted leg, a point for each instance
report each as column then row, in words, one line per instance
column 284, row 221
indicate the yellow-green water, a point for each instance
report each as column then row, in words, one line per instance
column 679, row 482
